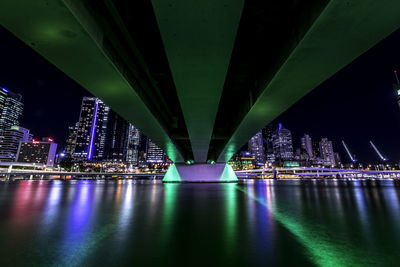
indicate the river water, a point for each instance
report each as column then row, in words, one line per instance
column 250, row 223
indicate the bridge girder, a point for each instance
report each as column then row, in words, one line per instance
column 200, row 77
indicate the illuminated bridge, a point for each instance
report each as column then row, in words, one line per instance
column 200, row 77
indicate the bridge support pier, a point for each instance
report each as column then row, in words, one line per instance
column 200, row 173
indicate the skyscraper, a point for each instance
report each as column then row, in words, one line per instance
column 317, row 157
column 71, row 140
column 316, row 149
column 11, row 109
column 256, row 148
column 337, row 159
column 282, row 143
column 9, row 142
column 268, row 144
column 154, row 154
column 91, row 133
column 306, row 145
column 133, row 145
column 327, row 154
column 116, row 138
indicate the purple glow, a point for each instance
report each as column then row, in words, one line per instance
column 4, row 90
column 90, row 153
column 219, row 172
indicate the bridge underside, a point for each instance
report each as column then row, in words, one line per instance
column 200, row 77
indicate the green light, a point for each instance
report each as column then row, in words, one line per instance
column 231, row 216
column 398, row 92
column 56, row 34
column 228, row 175
column 198, row 40
column 323, row 250
column 172, row 174
column 291, row 164
column 170, row 195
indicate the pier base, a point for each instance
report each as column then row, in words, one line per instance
column 200, row 173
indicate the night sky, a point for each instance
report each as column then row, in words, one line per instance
column 357, row 104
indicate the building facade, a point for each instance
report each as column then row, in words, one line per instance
column 41, row 152
column 267, row 133
column 282, row 144
column 71, row 140
column 327, row 154
column 91, row 131
column 133, row 146
column 11, row 108
column 116, row 138
column 10, row 140
column 306, row 145
column 256, row 148
column 154, row 154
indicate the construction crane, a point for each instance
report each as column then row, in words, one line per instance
column 377, row 152
column 352, row 158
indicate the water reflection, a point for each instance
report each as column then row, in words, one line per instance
column 341, row 233
column 150, row 223
column 231, row 217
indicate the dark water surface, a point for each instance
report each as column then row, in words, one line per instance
column 251, row 223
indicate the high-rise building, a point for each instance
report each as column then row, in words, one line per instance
column 267, row 133
column 11, row 109
column 317, row 157
column 337, row 159
column 154, row 154
column 315, row 149
column 42, row 152
column 327, row 154
column 133, row 146
column 256, row 148
column 9, row 142
column 91, row 133
column 71, row 140
column 116, row 138
column 306, row 145
column 282, row 143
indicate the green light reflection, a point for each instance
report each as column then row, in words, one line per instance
column 170, row 195
column 323, row 249
column 231, row 216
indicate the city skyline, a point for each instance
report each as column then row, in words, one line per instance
column 47, row 117
column 226, row 133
